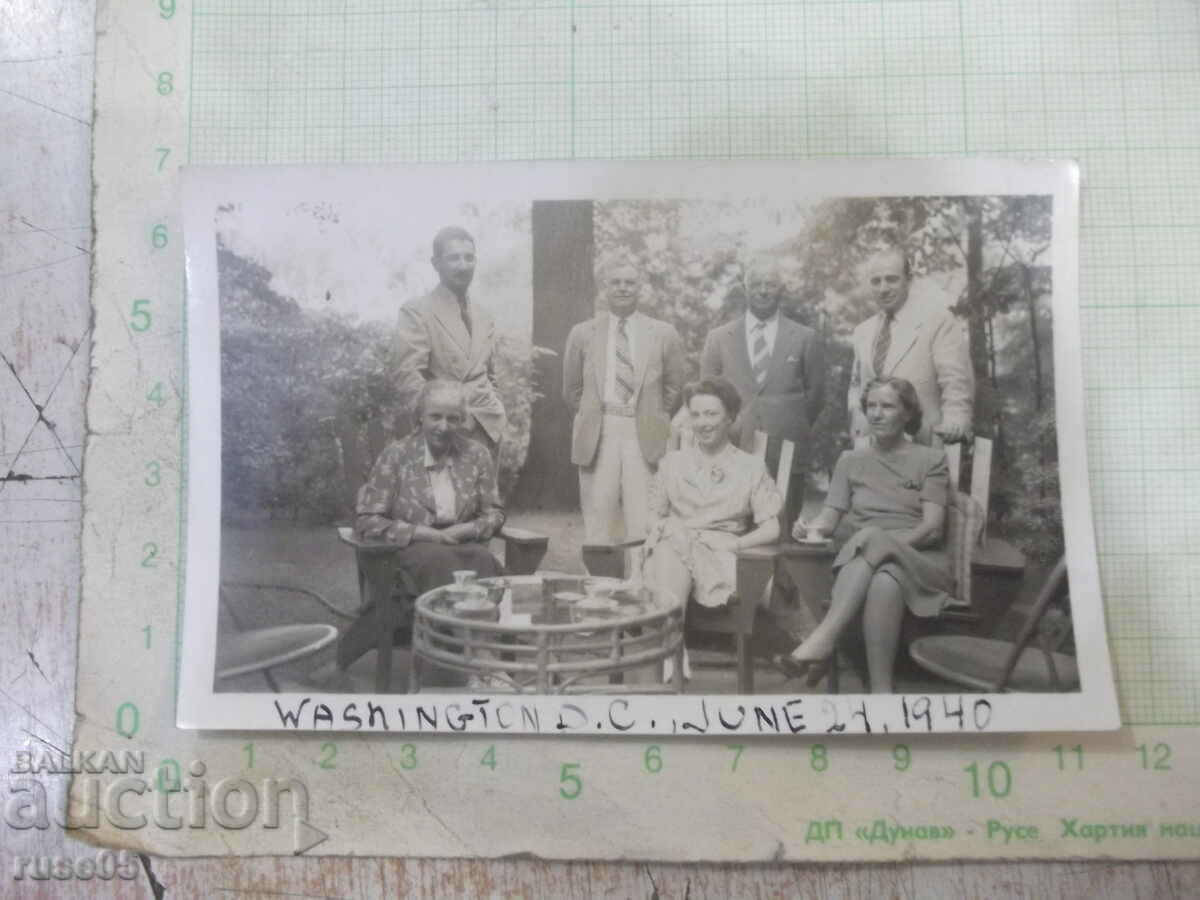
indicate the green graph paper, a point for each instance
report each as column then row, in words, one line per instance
column 1115, row 85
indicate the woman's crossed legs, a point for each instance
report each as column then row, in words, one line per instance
column 880, row 598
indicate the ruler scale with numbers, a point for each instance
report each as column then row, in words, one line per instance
column 218, row 81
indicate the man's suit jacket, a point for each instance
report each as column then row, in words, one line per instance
column 931, row 351
column 432, row 342
column 659, row 371
column 794, row 393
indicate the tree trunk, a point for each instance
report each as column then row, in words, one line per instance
column 1038, row 401
column 976, row 312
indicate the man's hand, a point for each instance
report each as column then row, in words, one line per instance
column 462, row 533
column 953, row 434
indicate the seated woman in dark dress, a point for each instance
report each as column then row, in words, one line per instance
column 434, row 493
column 893, row 495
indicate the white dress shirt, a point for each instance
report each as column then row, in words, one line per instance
column 445, row 501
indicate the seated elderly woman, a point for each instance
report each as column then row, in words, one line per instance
column 434, row 493
column 893, row 494
column 706, row 503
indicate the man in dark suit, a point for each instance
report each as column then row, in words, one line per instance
column 778, row 367
column 623, row 375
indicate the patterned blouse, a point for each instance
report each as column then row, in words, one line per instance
column 399, row 494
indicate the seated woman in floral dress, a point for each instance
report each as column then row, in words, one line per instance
column 434, row 493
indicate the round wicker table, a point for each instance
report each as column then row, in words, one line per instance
column 544, row 634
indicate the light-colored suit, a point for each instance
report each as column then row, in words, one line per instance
column 928, row 348
column 432, row 342
column 616, row 453
column 788, row 402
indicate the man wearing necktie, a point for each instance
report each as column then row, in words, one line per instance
column 778, row 367
column 921, row 342
column 444, row 335
column 623, row 375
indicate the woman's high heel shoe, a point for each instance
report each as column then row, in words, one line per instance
column 811, row 670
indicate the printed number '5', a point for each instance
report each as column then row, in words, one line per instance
column 139, row 315
column 567, row 777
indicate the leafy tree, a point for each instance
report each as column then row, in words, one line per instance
column 996, row 244
column 309, row 400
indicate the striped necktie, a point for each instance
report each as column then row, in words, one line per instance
column 760, row 359
column 883, row 343
column 624, row 374
column 465, row 308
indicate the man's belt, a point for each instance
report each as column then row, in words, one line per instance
column 618, row 409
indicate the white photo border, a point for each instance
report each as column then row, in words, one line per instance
column 1093, row 707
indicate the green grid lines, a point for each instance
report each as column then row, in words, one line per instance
column 1115, row 85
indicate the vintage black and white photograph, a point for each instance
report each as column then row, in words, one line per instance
column 787, row 438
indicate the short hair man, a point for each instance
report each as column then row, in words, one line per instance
column 928, row 347
column 778, row 367
column 623, row 374
column 444, row 335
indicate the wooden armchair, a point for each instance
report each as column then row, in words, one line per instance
column 377, row 575
column 987, row 664
column 755, row 569
column 991, row 576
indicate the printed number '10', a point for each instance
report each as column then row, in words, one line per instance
column 999, row 779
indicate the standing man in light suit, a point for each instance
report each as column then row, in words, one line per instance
column 778, row 368
column 445, row 336
column 926, row 346
column 623, row 375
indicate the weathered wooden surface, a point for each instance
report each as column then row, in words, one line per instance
column 45, row 110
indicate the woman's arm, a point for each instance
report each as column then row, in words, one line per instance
column 376, row 499
column 837, row 501
column 766, row 533
column 479, row 474
column 765, row 505
column 935, row 494
column 931, row 530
